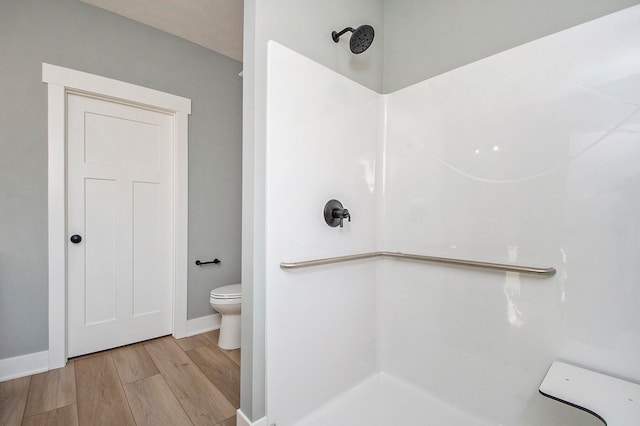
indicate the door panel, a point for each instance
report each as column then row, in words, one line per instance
column 111, row 136
column 120, row 201
column 100, row 250
column 146, row 243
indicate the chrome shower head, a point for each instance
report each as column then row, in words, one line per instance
column 361, row 38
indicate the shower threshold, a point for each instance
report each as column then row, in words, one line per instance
column 384, row 400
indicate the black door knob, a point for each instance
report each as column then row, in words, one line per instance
column 75, row 239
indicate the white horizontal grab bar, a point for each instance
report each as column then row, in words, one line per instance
column 545, row 272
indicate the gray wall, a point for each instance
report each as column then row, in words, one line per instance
column 424, row 38
column 73, row 34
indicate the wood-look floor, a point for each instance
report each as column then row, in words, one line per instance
column 159, row 382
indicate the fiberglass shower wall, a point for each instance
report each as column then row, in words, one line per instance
column 531, row 157
column 322, row 140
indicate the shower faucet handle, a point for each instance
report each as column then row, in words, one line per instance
column 335, row 213
column 345, row 213
column 341, row 214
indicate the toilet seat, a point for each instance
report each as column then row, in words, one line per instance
column 227, row 292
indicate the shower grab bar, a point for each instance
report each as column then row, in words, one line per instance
column 543, row 272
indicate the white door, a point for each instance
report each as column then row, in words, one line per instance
column 119, row 160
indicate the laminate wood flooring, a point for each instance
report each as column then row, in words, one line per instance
column 159, row 382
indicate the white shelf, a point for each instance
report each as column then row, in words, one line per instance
column 614, row 401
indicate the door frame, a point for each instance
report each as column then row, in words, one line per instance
column 60, row 81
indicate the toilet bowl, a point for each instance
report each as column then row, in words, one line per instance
column 227, row 300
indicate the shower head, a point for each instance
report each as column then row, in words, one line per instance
column 361, row 38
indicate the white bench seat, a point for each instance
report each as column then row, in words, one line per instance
column 616, row 402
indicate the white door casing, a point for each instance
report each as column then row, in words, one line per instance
column 62, row 82
column 119, row 190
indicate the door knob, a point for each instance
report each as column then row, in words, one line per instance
column 75, row 239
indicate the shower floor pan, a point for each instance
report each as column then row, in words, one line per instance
column 384, row 400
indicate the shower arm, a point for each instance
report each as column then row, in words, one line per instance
column 336, row 36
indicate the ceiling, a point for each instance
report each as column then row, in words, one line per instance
column 214, row 24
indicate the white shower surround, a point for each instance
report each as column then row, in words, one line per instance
column 531, row 156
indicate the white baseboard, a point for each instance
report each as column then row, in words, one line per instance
column 24, row 365
column 242, row 420
column 202, row 324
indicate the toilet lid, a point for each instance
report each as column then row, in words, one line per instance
column 233, row 291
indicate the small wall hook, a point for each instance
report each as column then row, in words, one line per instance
column 335, row 213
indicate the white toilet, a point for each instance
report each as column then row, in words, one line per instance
column 227, row 301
